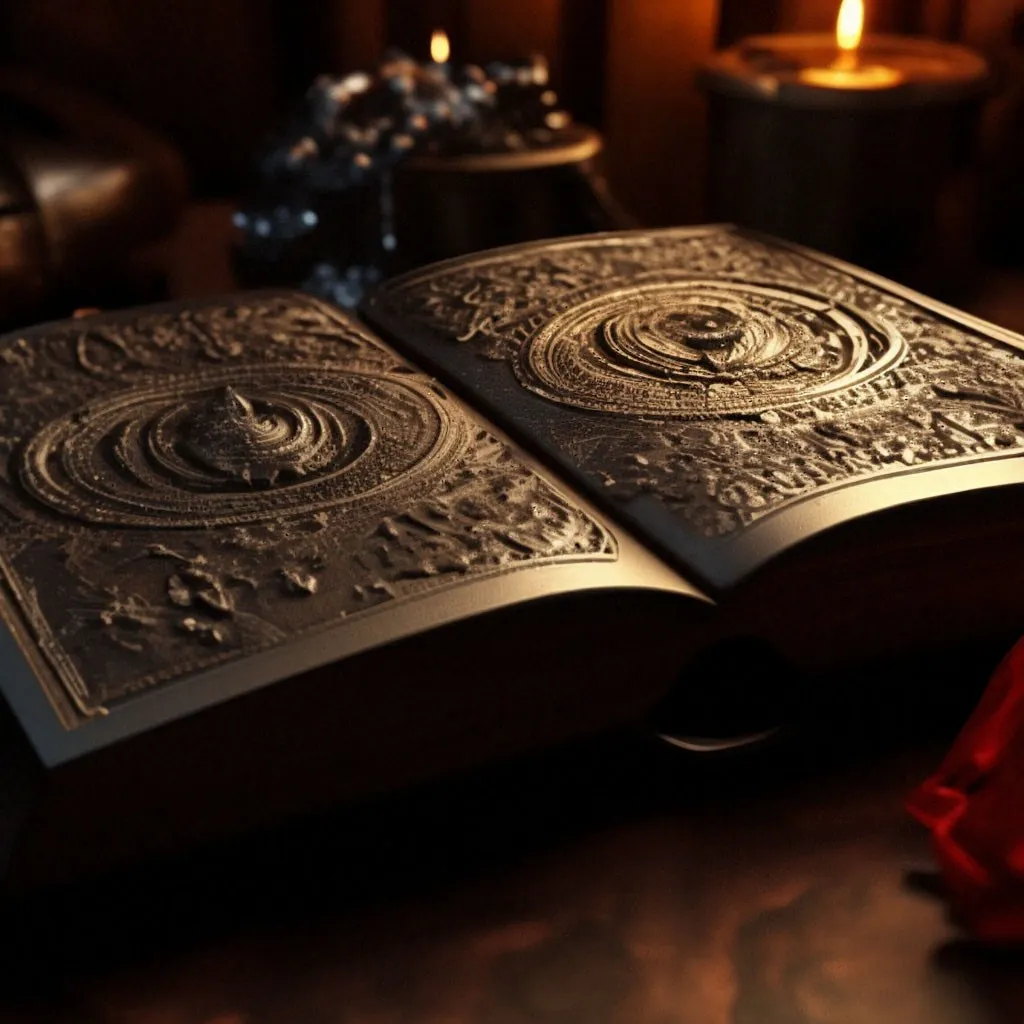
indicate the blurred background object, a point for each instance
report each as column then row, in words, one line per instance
column 861, row 145
column 414, row 162
column 1002, row 192
column 214, row 78
column 83, row 189
column 446, row 206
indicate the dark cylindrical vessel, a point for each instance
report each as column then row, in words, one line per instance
column 451, row 205
column 878, row 176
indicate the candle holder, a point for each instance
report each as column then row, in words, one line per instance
column 447, row 205
column 864, row 155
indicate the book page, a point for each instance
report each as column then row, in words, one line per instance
column 725, row 394
column 207, row 498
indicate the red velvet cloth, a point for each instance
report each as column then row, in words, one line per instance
column 974, row 807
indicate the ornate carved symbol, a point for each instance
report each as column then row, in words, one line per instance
column 186, row 486
column 241, row 445
column 687, row 348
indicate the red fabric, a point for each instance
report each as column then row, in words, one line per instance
column 974, row 806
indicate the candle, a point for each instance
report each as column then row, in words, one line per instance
column 847, row 142
column 440, row 51
column 848, row 70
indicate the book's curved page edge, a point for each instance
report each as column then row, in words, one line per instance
column 756, row 548
column 634, row 570
column 505, row 328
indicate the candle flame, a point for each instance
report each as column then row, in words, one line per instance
column 440, row 48
column 850, row 25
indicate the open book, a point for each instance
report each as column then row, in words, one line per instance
column 258, row 556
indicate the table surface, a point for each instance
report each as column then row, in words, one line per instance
column 614, row 881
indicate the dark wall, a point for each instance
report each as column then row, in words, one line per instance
column 214, row 75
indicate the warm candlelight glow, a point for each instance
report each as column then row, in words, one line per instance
column 440, row 48
column 850, row 70
column 850, row 24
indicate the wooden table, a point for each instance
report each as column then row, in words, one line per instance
column 611, row 882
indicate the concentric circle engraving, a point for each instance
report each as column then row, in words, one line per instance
column 693, row 349
column 242, row 445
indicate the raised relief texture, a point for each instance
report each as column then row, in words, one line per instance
column 728, row 376
column 696, row 349
column 184, row 488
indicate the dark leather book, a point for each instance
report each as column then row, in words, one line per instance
column 259, row 558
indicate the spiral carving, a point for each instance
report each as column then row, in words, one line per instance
column 693, row 349
column 239, row 445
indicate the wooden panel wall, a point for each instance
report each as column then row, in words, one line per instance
column 987, row 23
column 216, row 76
column 581, row 63
column 943, row 19
column 509, row 30
column 655, row 119
column 358, row 33
column 737, row 19
column 939, row 18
